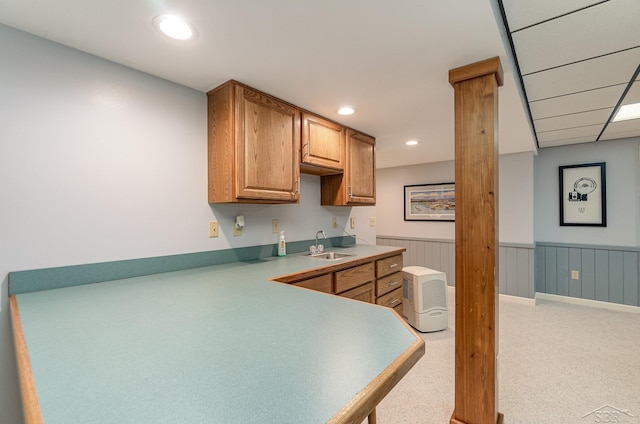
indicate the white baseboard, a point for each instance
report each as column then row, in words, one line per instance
column 505, row 297
column 588, row 302
column 518, row 299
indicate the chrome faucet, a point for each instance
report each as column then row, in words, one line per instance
column 324, row 236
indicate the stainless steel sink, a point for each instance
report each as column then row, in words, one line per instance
column 329, row 256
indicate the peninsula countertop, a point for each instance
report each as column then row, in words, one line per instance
column 218, row 344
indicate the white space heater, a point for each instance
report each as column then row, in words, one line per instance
column 424, row 297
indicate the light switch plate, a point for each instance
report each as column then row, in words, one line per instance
column 353, row 222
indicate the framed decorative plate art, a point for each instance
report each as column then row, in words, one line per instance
column 583, row 195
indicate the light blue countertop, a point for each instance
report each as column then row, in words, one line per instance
column 216, row 344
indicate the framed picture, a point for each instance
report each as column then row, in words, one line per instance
column 583, row 195
column 430, row 202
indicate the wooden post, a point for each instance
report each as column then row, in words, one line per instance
column 476, row 178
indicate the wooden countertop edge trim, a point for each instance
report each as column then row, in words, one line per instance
column 28, row 393
column 335, row 266
column 366, row 401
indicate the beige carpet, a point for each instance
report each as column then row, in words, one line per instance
column 559, row 363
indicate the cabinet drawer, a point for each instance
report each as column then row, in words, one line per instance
column 391, row 299
column 363, row 293
column 388, row 283
column 354, row 277
column 321, row 283
column 388, row 265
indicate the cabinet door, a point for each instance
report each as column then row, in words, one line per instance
column 361, row 169
column 323, row 283
column 363, row 293
column 357, row 186
column 322, row 151
column 267, row 143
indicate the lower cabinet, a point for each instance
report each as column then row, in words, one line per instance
column 378, row 281
column 389, row 282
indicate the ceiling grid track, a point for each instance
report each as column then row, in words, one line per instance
column 573, row 60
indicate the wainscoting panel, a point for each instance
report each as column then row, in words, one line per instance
column 515, row 262
column 605, row 273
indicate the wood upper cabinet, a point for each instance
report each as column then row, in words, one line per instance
column 323, row 146
column 357, row 185
column 253, row 147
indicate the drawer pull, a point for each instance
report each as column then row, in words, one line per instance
column 393, row 265
column 393, row 283
column 396, row 300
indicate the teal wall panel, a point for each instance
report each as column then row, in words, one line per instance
column 630, row 283
column 616, row 277
column 563, row 271
column 540, row 271
column 575, row 264
column 607, row 273
column 588, row 274
column 602, row 275
column 551, row 270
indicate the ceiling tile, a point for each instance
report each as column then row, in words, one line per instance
column 595, row 73
column 590, row 133
column 622, row 129
column 633, row 95
column 579, row 102
column 577, row 140
column 524, row 13
column 574, row 120
column 578, row 36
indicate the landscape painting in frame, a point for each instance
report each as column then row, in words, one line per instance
column 430, row 202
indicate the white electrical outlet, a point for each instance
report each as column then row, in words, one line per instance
column 213, row 229
column 372, row 222
column 575, row 275
column 353, row 222
column 237, row 231
column 275, row 226
column 334, row 222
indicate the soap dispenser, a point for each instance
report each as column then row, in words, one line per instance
column 282, row 245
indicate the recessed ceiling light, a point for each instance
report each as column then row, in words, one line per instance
column 627, row 112
column 174, row 27
column 411, row 142
column 346, row 110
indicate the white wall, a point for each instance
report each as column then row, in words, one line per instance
column 515, row 199
column 621, row 157
column 99, row 162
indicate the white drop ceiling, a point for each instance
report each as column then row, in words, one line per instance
column 578, row 61
column 390, row 59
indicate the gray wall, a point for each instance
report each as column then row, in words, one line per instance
column 515, row 199
column 431, row 244
column 621, row 157
column 606, row 258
